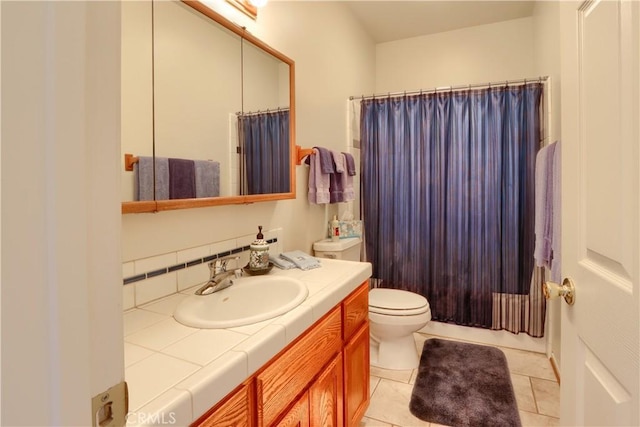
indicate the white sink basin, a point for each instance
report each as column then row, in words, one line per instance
column 248, row 300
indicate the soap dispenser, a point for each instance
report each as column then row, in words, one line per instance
column 259, row 252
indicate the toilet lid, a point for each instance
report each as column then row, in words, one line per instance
column 396, row 302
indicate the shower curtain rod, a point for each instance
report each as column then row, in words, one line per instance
column 268, row 110
column 454, row 88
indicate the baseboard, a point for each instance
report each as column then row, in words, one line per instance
column 520, row 341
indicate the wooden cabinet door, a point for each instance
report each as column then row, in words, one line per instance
column 356, row 376
column 298, row 415
column 292, row 372
column 326, row 396
column 235, row 412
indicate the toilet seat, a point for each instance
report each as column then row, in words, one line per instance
column 396, row 302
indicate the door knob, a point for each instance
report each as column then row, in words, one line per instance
column 554, row 290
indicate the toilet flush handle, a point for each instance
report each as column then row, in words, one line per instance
column 567, row 290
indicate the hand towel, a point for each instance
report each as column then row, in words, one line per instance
column 207, row 176
column 182, row 180
column 280, row 262
column 338, row 161
column 302, row 260
column 543, row 206
column 143, row 172
column 351, row 164
column 348, row 193
column 336, row 183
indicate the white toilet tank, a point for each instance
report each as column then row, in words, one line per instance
column 346, row 249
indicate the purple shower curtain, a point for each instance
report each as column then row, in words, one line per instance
column 447, row 200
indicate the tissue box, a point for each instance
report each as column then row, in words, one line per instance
column 348, row 229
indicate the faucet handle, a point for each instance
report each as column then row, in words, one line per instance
column 219, row 265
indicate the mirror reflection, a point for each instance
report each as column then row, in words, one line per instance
column 220, row 104
column 197, row 90
column 263, row 126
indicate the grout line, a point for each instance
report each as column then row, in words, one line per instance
column 535, row 399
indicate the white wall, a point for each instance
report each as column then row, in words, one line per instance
column 546, row 21
column 486, row 53
column 332, row 62
column 61, row 312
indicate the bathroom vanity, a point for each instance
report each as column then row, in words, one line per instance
column 309, row 366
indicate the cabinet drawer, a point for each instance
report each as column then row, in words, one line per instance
column 284, row 379
column 356, row 310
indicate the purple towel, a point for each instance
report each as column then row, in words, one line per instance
column 336, row 189
column 351, row 164
column 326, row 160
column 556, row 273
column 182, row 179
column 318, row 181
column 340, row 183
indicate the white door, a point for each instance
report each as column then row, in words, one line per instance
column 600, row 213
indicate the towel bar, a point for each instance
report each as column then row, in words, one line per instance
column 301, row 153
column 129, row 160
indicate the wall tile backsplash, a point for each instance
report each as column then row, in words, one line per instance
column 151, row 278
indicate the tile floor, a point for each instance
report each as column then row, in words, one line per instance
column 534, row 383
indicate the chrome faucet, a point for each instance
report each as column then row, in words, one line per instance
column 220, row 278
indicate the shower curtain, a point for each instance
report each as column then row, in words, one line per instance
column 448, row 202
column 264, row 148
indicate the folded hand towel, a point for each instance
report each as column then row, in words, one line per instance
column 144, row 172
column 280, row 262
column 182, row 180
column 302, row 260
column 351, row 164
column 207, row 175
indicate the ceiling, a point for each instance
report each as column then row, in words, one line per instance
column 395, row 20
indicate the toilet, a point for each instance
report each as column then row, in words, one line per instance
column 394, row 314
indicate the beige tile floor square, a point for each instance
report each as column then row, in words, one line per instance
column 534, row 383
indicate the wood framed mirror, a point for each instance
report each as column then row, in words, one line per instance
column 213, row 86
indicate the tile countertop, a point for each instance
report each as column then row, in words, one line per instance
column 176, row 373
